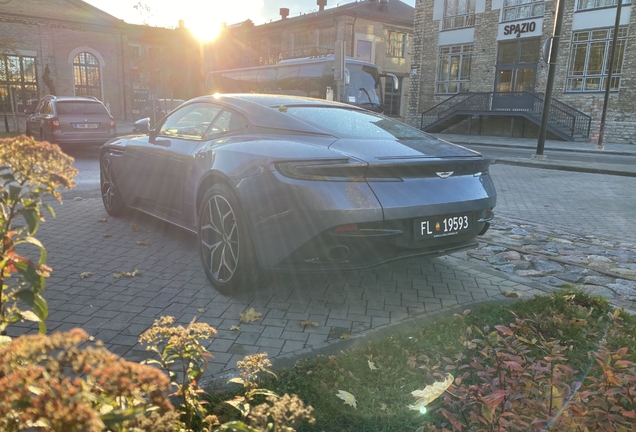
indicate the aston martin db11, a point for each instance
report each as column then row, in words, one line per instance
column 282, row 182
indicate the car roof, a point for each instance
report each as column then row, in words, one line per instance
column 258, row 109
column 72, row 99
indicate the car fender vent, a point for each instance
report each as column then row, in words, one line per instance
column 117, row 151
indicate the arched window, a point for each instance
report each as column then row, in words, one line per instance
column 86, row 73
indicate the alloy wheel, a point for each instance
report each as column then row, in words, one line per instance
column 108, row 184
column 220, row 239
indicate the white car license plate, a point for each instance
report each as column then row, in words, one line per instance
column 86, row 125
column 443, row 226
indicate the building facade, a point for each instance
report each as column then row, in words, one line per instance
column 478, row 68
column 70, row 48
column 376, row 31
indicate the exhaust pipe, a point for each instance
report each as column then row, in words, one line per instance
column 338, row 253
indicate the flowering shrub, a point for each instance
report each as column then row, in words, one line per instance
column 50, row 383
column 183, row 357
column 517, row 380
column 29, row 172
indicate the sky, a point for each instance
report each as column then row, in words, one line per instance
column 207, row 15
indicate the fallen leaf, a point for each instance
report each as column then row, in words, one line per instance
column 121, row 274
column 250, row 316
column 411, row 362
column 103, row 220
column 142, row 243
column 348, row 398
column 235, row 328
column 431, row 392
column 107, row 235
column 345, row 336
column 578, row 322
column 383, row 407
column 569, row 297
column 200, row 310
column 470, row 345
column 512, row 294
column 78, row 199
column 372, row 365
column 308, row 323
column 85, row 275
column 135, row 228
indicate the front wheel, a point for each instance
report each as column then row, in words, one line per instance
column 111, row 197
column 225, row 243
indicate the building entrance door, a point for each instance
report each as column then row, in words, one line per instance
column 516, row 72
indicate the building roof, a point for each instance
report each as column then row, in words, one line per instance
column 391, row 11
column 69, row 11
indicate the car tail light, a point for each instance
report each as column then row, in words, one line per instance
column 112, row 123
column 324, row 169
column 55, row 124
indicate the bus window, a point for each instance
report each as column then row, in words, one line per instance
column 287, row 78
column 267, row 80
column 248, row 81
column 227, row 82
column 309, row 80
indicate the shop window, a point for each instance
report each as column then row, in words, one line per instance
column 458, row 14
column 327, row 37
column 364, row 50
column 18, row 73
column 522, row 9
column 395, row 44
column 519, row 51
column 453, row 72
column 86, row 75
column 589, row 60
column 595, row 4
column 392, row 98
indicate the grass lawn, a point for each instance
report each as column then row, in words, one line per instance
column 406, row 362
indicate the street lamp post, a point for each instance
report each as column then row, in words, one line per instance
column 608, row 80
column 558, row 24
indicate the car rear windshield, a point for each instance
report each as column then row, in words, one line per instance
column 354, row 123
column 80, row 108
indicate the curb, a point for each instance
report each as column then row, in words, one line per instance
column 563, row 167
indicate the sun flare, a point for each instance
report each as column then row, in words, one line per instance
column 205, row 31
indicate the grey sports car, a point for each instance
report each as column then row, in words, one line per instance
column 282, row 182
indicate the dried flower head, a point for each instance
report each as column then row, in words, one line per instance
column 286, row 413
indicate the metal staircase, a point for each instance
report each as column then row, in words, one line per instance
column 564, row 121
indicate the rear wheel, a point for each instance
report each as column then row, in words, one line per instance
column 113, row 202
column 225, row 243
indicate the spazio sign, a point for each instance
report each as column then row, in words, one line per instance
column 528, row 28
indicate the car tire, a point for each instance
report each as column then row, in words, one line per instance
column 111, row 197
column 225, row 242
column 28, row 131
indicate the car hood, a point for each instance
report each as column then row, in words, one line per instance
column 378, row 150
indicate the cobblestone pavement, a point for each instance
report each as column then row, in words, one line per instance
column 580, row 203
column 172, row 282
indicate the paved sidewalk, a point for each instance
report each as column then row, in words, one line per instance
column 623, row 169
column 172, row 282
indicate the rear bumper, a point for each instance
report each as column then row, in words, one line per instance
column 377, row 243
column 65, row 139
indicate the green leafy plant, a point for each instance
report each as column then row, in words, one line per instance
column 275, row 413
column 62, row 382
column 184, row 359
column 30, row 171
column 515, row 379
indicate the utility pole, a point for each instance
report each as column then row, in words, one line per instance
column 608, row 80
column 556, row 36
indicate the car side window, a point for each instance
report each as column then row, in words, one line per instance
column 189, row 122
column 46, row 108
column 227, row 121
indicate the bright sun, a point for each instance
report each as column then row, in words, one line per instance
column 204, row 30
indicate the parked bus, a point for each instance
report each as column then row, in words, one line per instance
column 311, row 77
